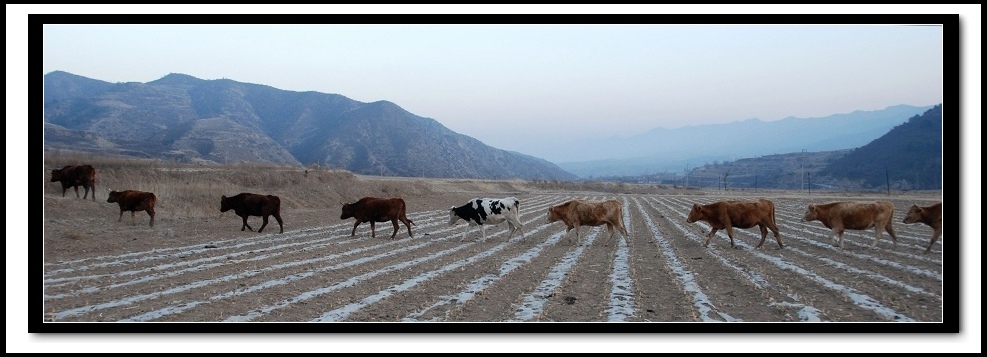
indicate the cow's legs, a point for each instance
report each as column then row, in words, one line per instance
column 709, row 236
column 133, row 217
column 353, row 233
column 764, row 235
column 730, row 234
column 465, row 231
column 396, row 228
column 121, row 215
column 407, row 223
column 373, row 229
column 277, row 216
column 76, row 191
column 890, row 229
column 245, row 225
column 150, row 212
column 612, row 231
column 935, row 237
column 774, row 229
column 263, row 223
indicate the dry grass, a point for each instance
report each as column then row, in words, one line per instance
column 193, row 191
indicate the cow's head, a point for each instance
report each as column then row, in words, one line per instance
column 555, row 213
column 696, row 213
column 453, row 217
column 811, row 214
column 348, row 211
column 113, row 196
column 913, row 215
column 225, row 204
column 56, row 175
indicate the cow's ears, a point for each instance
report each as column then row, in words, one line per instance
column 224, row 197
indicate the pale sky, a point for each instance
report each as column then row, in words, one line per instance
column 508, row 85
column 505, row 85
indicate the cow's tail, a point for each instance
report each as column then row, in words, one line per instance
column 772, row 206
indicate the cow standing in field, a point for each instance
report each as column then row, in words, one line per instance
column 488, row 211
column 855, row 215
column 75, row 176
column 375, row 209
column 931, row 216
column 133, row 201
column 576, row 213
column 249, row 204
column 740, row 214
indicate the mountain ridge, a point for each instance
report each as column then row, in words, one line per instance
column 183, row 118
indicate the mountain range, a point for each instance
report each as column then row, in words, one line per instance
column 679, row 149
column 187, row 119
column 182, row 118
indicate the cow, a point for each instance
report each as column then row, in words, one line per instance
column 488, row 211
column 855, row 215
column 133, row 201
column 376, row 209
column 931, row 216
column 576, row 213
column 75, row 176
column 728, row 215
column 249, row 204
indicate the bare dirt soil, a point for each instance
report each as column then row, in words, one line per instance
column 190, row 268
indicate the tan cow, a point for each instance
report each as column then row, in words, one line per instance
column 740, row 214
column 854, row 215
column 931, row 216
column 576, row 213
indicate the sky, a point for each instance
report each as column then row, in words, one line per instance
column 507, row 85
column 513, row 85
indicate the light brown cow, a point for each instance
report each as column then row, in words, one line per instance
column 576, row 213
column 931, row 216
column 855, row 215
column 133, row 201
column 740, row 214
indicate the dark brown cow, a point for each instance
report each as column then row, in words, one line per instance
column 855, row 215
column 931, row 216
column 248, row 204
column 75, row 176
column 376, row 209
column 576, row 213
column 133, row 201
column 740, row 214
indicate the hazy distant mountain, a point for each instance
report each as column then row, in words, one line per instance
column 907, row 157
column 675, row 150
column 180, row 117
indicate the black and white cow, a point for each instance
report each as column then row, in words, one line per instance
column 489, row 211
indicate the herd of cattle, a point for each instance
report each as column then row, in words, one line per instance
column 479, row 212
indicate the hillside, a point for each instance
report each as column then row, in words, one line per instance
column 908, row 157
column 186, row 119
column 664, row 149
